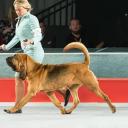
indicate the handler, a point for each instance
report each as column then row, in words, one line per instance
column 28, row 33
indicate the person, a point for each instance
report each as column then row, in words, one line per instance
column 2, row 26
column 7, row 33
column 1, row 40
column 12, row 16
column 49, row 40
column 76, row 34
column 28, row 32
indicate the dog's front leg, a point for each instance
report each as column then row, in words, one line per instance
column 22, row 102
column 56, row 102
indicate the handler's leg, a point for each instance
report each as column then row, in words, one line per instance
column 19, row 89
column 19, row 93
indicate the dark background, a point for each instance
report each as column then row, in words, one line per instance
column 104, row 20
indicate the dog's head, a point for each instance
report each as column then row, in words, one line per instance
column 18, row 63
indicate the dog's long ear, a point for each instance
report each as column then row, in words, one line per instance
column 22, row 75
column 23, row 69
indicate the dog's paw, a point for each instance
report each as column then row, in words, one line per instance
column 113, row 109
column 68, row 112
column 12, row 111
column 63, row 111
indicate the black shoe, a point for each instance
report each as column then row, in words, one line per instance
column 67, row 96
column 7, row 111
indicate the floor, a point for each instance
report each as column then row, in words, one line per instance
column 45, row 115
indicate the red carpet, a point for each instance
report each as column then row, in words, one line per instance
column 116, row 89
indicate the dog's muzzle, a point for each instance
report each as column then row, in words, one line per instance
column 9, row 62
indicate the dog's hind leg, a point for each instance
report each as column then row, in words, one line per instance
column 96, row 89
column 74, row 93
column 101, row 94
column 92, row 84
column 66, row 94
column 56, row 102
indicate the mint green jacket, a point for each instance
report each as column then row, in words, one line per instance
column 27, row 27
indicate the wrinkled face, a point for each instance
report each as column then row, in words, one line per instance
column 18, row 64
column 9, row 61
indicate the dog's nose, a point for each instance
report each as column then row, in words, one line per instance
column 8, row 59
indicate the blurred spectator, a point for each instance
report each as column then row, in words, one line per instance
column 12, row 16
column 7, row 32
column 1, row 40
column 77, row 35
column 49, row 40
column 10, row 30
column 2, row 24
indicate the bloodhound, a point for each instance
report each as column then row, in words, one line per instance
column 50, row 78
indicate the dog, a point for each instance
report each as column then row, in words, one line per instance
column 50, row 78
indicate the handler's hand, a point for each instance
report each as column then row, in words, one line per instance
column 2, row 47
column 25, row 43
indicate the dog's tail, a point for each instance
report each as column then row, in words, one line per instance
column 80, row 46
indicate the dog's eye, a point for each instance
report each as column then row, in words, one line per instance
column 15, row 56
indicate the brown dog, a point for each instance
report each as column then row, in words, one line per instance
column 51, row 78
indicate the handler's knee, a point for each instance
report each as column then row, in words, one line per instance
column 19, row 82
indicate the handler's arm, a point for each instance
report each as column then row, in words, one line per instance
column 36, row 30
column 12, row 43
